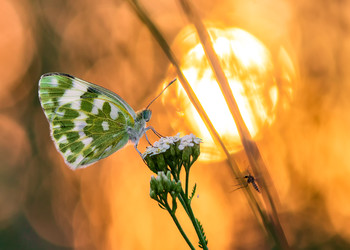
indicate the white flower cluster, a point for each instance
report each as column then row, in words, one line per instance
column 188, row 141
column 164, row 144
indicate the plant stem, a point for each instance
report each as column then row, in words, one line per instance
column 186, row 184
column 183, row 198
column 193, row 219
column 249, row 145
column 190, row 93
column 193, row 98
column 257, row 209
column 178, row 225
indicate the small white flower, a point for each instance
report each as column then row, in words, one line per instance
column 197, row 140
column 162, row 145
column 176, row 137
column 188, row 141
column 149, row 151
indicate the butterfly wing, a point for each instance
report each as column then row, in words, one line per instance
column 87, row 121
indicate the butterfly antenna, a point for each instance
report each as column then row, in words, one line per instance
column 161, row 92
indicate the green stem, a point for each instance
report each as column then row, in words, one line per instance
column 194, row 100
column 183, row 198
column 186, row 184
column 249, row 145
column 183, row 203
column 178, row 225
column 193, row 220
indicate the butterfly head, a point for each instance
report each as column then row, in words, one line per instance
column 146, row 114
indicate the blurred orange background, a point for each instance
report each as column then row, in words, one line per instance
column 45, row 205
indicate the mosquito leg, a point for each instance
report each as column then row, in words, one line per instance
column 244, row 186
column 249, row 179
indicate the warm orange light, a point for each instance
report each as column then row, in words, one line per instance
column 248, row 65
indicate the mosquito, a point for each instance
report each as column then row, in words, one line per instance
column 252, row 180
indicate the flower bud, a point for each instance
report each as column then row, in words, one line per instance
column 159, row 185
column 178, row 187
column 195, row 152
column 150, row 163
column 170, row 153
column 161, row 165
column 152, row 194
column 153, row 182
column 186, row 154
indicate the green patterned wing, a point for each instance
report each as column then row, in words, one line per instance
column 87, row 122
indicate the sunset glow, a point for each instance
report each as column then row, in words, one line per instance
column 248, row 65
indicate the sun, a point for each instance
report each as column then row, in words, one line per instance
column 249, row 68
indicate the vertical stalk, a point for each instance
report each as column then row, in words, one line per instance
column 186, row 183
column 194, row 100
column 249, row 145
column 255, row 206
column 179, row 226
column 193, row 220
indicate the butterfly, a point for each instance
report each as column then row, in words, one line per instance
column 87, row 121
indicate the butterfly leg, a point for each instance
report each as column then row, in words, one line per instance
column 154, row 131
column 148, row 140
column 138, row 151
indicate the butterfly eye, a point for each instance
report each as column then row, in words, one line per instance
column 146, row 115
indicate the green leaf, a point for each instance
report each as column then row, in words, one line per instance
column 203, row 233
column 161, row 206
column 193, row 192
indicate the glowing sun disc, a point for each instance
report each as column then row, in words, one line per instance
column 249, row 69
